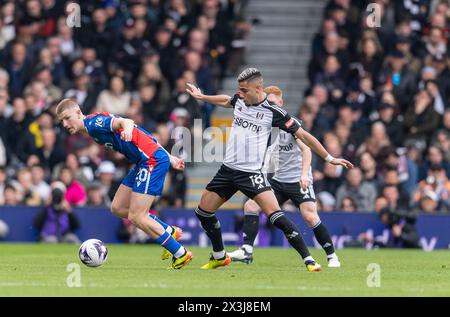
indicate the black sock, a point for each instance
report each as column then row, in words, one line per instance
column 323, row 237
column 211, row 226
column 279, row 220
column 250, row 228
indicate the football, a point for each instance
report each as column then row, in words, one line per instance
column 93, row 252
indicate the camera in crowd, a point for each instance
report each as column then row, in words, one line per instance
column 402, row 225
column 57, row 195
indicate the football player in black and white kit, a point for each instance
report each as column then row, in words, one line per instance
column 254, row 117
column 292, row 180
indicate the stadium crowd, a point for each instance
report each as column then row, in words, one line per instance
column 131, row 58
column 379, row 96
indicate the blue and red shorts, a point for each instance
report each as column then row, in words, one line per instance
column 148, row 176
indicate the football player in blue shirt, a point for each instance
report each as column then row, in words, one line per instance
column 143, row 183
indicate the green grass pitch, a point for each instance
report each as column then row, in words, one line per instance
column 136, row 270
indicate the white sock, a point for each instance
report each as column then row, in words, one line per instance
column 308, row 258
column 248, row 248
column 332, row 255
column 181, row 251
column 219, row 254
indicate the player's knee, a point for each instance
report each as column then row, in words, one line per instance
column 251, row 207
column 115, row 210
column 310, row 217
column 135, row 219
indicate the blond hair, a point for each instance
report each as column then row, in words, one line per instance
column 274, row 90
column 65, row 104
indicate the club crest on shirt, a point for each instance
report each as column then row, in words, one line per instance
column 99, row 122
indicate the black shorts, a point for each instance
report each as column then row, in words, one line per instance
column 292, row 191
column 228, row 181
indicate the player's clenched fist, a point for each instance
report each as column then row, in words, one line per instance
column 126, row 136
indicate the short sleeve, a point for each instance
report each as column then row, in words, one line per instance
column 284, row 121
column 99, row 122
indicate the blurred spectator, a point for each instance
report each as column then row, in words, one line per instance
column 403, row 44
column 19, row 68
column 392, row 195
column 368, row 167
column 56, row 222
column 151, row 75
column 429, row 203
column 407, row 170
column 7, row 28
column 402, row 227
column 377, row 140
column 327, row 177
column 436, row 187
column 326, row 201
column 82, row 92
column 181, row 99
column 105, row 173
column 51, row 153
column 421, row 120
column 116, row 99
column 330, row 47
column 361, row 192
column 348, row 205
column 75, row 194
column 358, row 100
column 370, row 56
column 434, row 43
column 331, row 78
column 15, row 125
column 39, row 185
column 95, row 196
column 442, row 141
column 435, row 156
column 393, row 125
column 399, row 78
column 11, row 195
column 29, row 196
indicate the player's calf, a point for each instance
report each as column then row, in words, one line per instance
column 292, row 234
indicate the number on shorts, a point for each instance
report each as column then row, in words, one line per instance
column 308, row 193
column 142, row 175
column 257, row 181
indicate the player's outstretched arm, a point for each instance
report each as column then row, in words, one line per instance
column 317, row 147
column 126, row 125
column 306, row 164
column 218, row 100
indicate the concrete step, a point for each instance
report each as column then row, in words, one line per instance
column 282, row 4
column 289, row 59
column 289, row 19
column 286, row 10
column 297, row 37
column 277, row 45
column 295, row 22
column 264, row 48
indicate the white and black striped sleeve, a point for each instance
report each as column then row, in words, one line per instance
column 283, row 120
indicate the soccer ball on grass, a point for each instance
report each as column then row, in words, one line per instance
column 93, row 252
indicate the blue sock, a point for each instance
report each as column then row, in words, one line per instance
column 162, row 223
column 169, row 243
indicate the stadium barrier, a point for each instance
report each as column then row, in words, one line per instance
column 344, row 227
